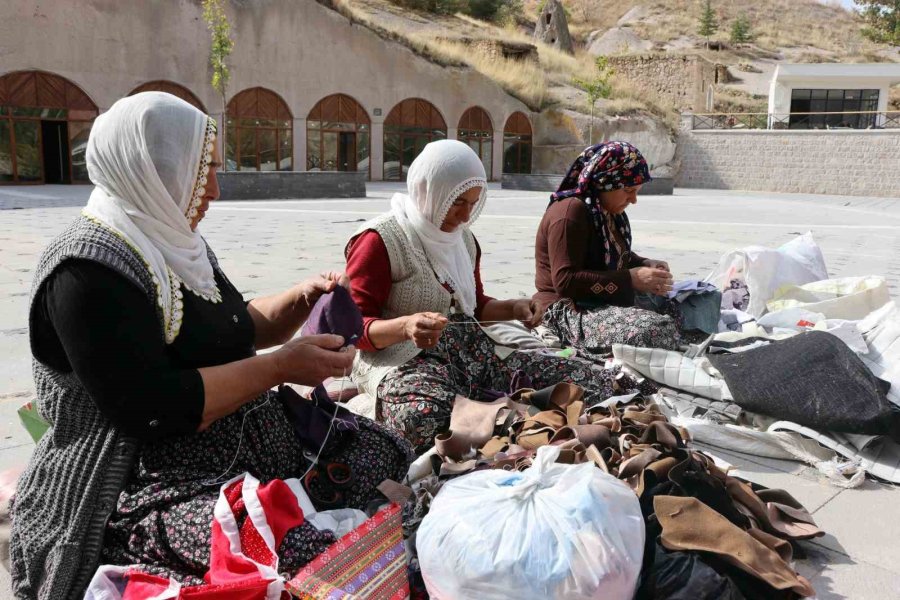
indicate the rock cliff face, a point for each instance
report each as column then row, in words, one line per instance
column 559, row 136
column 552, row 28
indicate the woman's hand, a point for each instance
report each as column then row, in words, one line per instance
column 424, row 329
column 310, row 290
column 657, row 264
column 310, row 360
column 523, row 311
column 651, row 280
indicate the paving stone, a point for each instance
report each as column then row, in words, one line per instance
column 266, row 246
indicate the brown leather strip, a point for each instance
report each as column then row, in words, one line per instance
column 688, row 524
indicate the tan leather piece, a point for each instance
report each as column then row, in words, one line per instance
column 395, row 492
column 688, row 524
column 596, row 435
column 473, row 422
column 494, row 445
column 451, row 445
column 774, row 517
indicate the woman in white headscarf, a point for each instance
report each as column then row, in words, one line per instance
column 146, row 368
column 415, row 274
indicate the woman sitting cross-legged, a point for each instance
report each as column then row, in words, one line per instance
column 415, row 274
column 146, row 368
column 587, row 277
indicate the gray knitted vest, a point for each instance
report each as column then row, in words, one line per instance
column 81, row 464
column 414, row 289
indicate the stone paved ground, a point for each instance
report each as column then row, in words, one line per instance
column 266, row 246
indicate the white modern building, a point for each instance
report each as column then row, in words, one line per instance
column 830, row 96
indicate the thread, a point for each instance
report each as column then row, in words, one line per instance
column 223, row 477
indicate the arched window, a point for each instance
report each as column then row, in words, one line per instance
column 476, row 130
column 409, row 126
column 45, row 121
column 338, row 135
column 170, row 87
column 517, row 144
column 259, row 132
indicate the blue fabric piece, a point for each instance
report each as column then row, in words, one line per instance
column 701, row 312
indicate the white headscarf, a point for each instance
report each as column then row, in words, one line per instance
column 148, row 157
column 437, row 177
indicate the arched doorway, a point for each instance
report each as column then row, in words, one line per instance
column 517, row 144
column 409, row 126
column 338, row 131
column 476, row 130
column 170, row 87
column 45, row 121
column 258, row 134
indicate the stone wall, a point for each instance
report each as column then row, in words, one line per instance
column 659, row 186
column 681, row 79
column 268, row 185
column 855, row 163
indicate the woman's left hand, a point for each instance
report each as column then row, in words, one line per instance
column 523, row 310
column 313, row 288
column 657, row 264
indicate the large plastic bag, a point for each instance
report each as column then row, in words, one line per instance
column 845, row 298
column 882, row 334
column 765, row 270
column 550, row 532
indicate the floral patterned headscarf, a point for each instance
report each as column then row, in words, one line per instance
column 603, row 168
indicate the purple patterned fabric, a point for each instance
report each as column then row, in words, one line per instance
column 336, row 313
column 603, row 168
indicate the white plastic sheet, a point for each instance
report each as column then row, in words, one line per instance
column 550, row 532
column 849, row 298
column 765, row 270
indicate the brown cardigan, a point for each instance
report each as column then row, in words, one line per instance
column 568, row 263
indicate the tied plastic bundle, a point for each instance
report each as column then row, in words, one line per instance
column 553, row 531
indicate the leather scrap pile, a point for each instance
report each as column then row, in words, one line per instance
column 708, row 534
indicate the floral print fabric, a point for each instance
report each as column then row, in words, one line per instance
column 594, row 331
column 163, row 521
column 416, row 399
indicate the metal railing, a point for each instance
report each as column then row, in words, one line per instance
column 799, row 121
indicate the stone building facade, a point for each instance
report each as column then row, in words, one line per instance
column 305, row 81
column 682, row 79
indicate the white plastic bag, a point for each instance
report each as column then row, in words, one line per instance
column 550, row 532
column 765, row 270
column 849, row 298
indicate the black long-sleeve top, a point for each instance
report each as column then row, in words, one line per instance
column 91, row 320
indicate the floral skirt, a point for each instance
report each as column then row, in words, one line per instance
column 594, row 331
column 416, row 399
column 163, row 520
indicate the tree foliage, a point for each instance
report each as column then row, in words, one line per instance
column 740, row 30
column 221, row 43
column 708, row 23
column 883, row 20
column 598, row 87
column 220, row 49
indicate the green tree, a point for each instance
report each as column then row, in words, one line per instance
column 708, row 23
column 740, row 30
column 596, row 88
column 883, row 19
column 220, row 48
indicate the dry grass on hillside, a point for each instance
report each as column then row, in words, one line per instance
column 775, row 24
column 526, row 81
column 732, row 100
column 523, row 81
